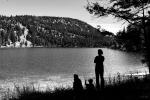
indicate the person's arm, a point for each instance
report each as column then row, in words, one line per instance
column 73, row 85
column 103, row 58
column 85, row 82
column 95, row 60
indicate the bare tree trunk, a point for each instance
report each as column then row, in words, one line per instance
column 146, row 37
column 147, row 44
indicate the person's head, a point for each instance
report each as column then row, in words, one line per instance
column 90, row 81
column 75, row 76
column 100, row 52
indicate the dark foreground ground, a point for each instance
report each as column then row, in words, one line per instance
column 133, row 88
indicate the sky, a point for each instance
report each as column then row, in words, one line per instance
column 60, row 8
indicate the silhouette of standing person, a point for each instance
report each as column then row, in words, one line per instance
column 99, row 69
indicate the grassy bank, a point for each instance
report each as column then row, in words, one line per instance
column 132, row 88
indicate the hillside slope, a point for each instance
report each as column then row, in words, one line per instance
column 27, row 31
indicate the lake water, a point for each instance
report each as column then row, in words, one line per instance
column 53, row 66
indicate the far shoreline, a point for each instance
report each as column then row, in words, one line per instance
column 3, row 47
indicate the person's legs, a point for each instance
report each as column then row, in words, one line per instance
column 102, row 79
column 97, row 79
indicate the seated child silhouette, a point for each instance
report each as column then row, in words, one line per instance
column 77, row 87
column 89, row 86
column 90, row 89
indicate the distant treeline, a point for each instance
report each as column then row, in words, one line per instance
column 67, row 32
column 131, row 38
column 51, row 32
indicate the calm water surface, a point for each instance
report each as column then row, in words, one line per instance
column 55, row 64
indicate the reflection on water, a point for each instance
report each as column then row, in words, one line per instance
column 41, row 61
column 58, row 64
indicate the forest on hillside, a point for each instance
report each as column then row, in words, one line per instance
column 49, row 32
column 44, row 31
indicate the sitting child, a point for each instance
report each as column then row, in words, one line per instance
column 90, row 86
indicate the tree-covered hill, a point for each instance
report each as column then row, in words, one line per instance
column 22, row 31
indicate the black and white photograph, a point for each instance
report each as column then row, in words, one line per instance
column 74, row 49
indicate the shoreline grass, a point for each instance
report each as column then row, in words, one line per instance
column 132, row 88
